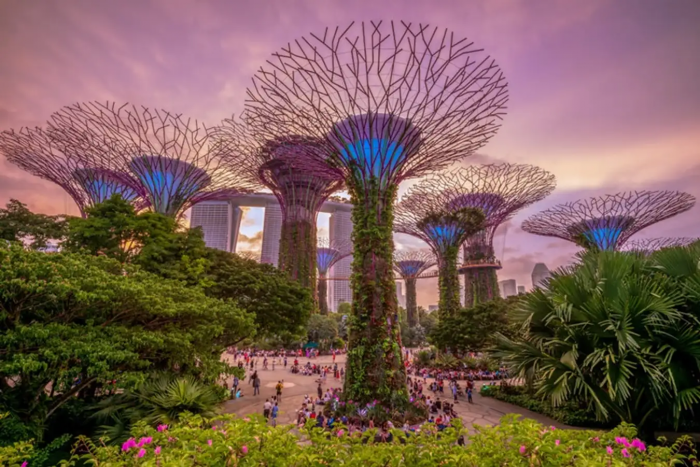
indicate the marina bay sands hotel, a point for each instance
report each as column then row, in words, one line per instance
column 221, row 221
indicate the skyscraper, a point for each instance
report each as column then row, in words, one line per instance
column 272, row 231
column 220, row 222
column 401, row 298
column 340, row 229
column 508, row 288
column 540, row 273
column 521, row 289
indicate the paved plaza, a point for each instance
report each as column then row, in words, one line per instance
column 483, row 411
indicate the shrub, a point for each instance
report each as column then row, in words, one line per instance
column 250, row 441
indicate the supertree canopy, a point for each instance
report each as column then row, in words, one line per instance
column 49, row 155
column 409, row 264
column 426, row 212
column 390, row 101
column 608, row 221
column 499, row 191
column 328, row 253
column 300, row 192
column 649, row 245
column 173, row 158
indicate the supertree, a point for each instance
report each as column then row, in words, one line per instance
column 608, row 221
column 328, row 253
column 499, row 191
column 409, row 264
column 300, row 192
column 172, row 157
column 426, row 212
column 649, row 245
column 390, row 101
column 61, row 159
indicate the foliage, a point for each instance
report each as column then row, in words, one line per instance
column 474, row 329
column 297, row 254
column 481, row 285
column 281, row 306
column 424, row 359
column 250, row 441
column 374, row 368
column 19, row 224
column 159, row 400
column 70, row 324
column 322, row 329
column 619, row 331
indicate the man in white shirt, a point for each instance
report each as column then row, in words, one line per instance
column 267, row 406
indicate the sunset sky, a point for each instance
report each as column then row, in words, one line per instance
column 603, row 93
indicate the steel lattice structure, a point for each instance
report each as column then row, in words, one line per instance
column 389, row 101
column 409, row 264
column 649, row 245
column 499, row 191
column 45, row 154
column 428, row 212
column 328, row 253
column 300, row 192
column 172, row 157
column 608, row 221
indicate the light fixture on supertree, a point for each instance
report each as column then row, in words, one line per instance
column 500, row 191
column 328, row 253
column 172, row 157
column 63, row 160
column 607, row 222
column 647, row 246
column 300, row 192
column 409, row 265
column 426, row 212
column 391, row 101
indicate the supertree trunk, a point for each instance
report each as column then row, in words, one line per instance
column 448, row 278
column 322, row 295
column 297, row 256
column 480, row 285
column 374, row 364
column 411, row 307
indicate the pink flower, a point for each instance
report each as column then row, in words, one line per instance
column 24, row 464
column 552, row 428
column 610, row 450
column 246, row 419
column 596, row 439
column 209, row 442
column 557, row 442
column 340, row 433
column 223, row 432
column 639, row 445
column 162, row 428
column 244, row 449
column 624, row 452
column 157, row 450
column 141, row 453
column 213, row 427
column 523, row 449
column 170, row 439
column 130, row 443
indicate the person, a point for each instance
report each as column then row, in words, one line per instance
column 267, row 406
column 454, row 391
column 319, row 389
column 320, row 419
column 469, row 396
column 285, row 362
column 275, row 411
column 234, row 386
column 256, row 385
column 279, row 387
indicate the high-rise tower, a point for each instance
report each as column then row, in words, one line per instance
column 540, row 273
column 340, row 229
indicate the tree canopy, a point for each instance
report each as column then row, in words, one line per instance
column 19, row 224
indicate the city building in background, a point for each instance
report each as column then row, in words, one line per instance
column 399, row 294
column 521, row 289
column 432, row 308
column 340, row 230
column 540, row 273
column 507, row 288
column 220, row 222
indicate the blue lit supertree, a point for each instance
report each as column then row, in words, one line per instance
column 328, row 253
column 427, row 212
column 410, row 264
column 173, row 158
column 499, row 191
column 390, row 101
column 64, row 159
column 608, row 221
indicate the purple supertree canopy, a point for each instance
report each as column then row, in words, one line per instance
column 328, row 253
column 649, row 245
column 410, row 264
column 608, row 221
column 173, row 158
column 44, row 154
column 390, row 100
column 300, row 192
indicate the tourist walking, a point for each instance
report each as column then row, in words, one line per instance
column 469, row 395
column 267, row 406
column 256, row 385
column 279, row 387
column 275, row 411
column 234, row 386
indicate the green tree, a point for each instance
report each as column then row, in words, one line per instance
column 71, row 323
column 618, row 331
column 474, row 329
column 322, row 328
column 280, row 305
column 19, row 224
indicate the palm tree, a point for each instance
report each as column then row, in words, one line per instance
column 616, row 331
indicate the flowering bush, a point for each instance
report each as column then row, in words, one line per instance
column 250, row 441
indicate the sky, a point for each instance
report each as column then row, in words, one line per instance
column 603, row 93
